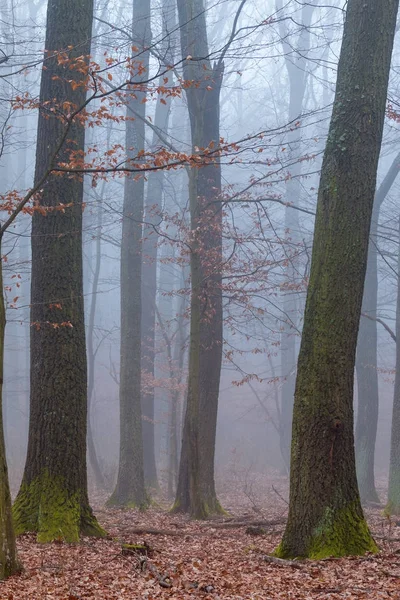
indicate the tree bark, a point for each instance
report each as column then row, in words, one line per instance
column 367, row 355
column 130, row 486
column 52, row 499
column 196, row 488
column 325, row 514
column 393, row 503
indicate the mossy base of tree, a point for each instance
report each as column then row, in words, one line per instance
column 116, row 501
column 200, row 509
column 45, row 507
column 340, row 533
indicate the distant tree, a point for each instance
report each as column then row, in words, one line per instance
column 393, row 503
column 196, row 487
column 52, row 499
column 8, row 554
column 150, row 246
column 325, row 514
column 130, row 486
column 367, row 355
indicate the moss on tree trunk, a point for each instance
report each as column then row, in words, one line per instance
column 325, row 514
column 53, row 497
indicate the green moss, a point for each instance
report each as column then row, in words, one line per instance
column 45, row 507
column 339, row 533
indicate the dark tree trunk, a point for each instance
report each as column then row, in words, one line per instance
column 393, row 504
column 366, row 358
column 130, row 487
column 325, row 514
column 150, row 252
column 196, row 488
column 52, row 500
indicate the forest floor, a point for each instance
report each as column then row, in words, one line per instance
column 212, row 560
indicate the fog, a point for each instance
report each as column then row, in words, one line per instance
column 275, row 105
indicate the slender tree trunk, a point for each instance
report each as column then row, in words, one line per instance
column 130, row 487
column 393, row 504
column 366, row 359
column 150, row 253
column 325, row 514
column 8, row 554
column 196, row 487
column 177, row 362
column 93, row 458
column 52, row 499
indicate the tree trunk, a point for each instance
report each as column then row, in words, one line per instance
column 325, row 514
column 366, row 358
column 150, row 252
column 8, row 554
column 91, row 352
column 196, row 488
column 177, row 363
column 393, row 504
column 52, row 499
column 130, row 487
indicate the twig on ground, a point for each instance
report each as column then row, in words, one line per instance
column 281, row 562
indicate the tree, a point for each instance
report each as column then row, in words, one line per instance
column 130, row 486
column 325, row 514
column 8, row 554
column 366, row 357
column 196, row 488
column 393, row 503
column 52, row 499
column 150, row 246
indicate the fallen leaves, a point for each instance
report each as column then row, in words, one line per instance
column 183, row 559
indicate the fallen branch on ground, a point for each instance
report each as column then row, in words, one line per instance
column 281, row 562
column 233, row 524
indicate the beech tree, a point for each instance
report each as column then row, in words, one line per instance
column 325, row 515
column 52, row 499
column 130, row 486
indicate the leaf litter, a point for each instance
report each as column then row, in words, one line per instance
column 159, row 555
